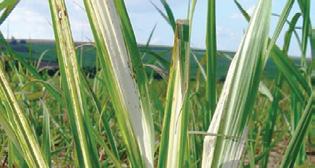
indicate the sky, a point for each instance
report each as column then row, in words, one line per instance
column 31, row 20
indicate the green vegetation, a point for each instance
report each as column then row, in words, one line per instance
column 46, row 50
column 113, row 103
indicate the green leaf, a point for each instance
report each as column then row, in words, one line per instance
column 211, row 55
column 282, row 19
column 271, row 119
column 242, row 10
column 239, row 92
column 313, row 45
column 296, row 81
column 71, row 84
column 288, row 34
column 126, row 80
column 281, row 60
column 191, row 12
column 169, row 17
column 175, row 122
column 296, row 141
column 98, row 107
column 17, row 126
column 8, row 6
column 305, row 6
column 46, row 138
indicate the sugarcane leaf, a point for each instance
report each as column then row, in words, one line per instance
column 211, row 55
column 71, row 84
column 17, row 125
column 169, row 16
column 298, row 136
column 126, row 80
column 174, row 129
column 8, row 6
column 239, row 91
column 283, row 63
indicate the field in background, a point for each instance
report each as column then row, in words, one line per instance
column 34, row 49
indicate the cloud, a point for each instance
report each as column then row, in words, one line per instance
column 227, row 39
column 29, row 22
column 25, row 15
column 24, row 22
column 223, row 31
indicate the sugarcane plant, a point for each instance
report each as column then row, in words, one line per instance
column 123, row 116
